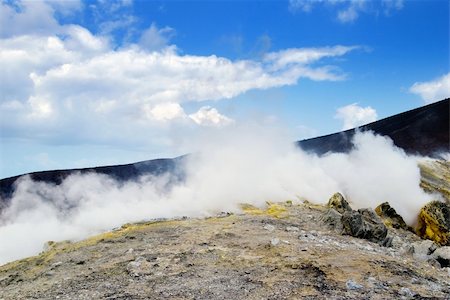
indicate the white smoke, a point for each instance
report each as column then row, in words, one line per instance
column 238, row 166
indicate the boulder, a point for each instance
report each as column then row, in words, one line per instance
column 390, row 217
column 422, row 250
column 365, row 224
column 442, row 255
column 353, row 224
column 333, row 219
column 375, row 229
column 434, row 223
column 338, row 202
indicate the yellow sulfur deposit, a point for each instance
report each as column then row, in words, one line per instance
column 434, row 222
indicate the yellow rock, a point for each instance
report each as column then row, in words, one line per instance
column 434, row 222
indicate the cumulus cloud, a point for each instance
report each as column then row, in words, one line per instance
column 77, row 77
column 165, row 112
column 433, row 90
column 354, row 115
column 209, row 116
column 36, row 17
column 348, row 11
column 238, row 165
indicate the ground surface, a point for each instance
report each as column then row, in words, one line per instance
column 285, row 252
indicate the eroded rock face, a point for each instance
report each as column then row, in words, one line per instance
column 365, row 224
column 434, row 222
column 362, row 223
column 390, row 217
column 333, row 219
column 338, row 202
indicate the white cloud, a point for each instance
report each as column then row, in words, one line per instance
column 156, row 39
column 304, row 56
column 304, row 5
column 348, row 15
column 348, row 11
column 354, row 115
column 79, row 73
column 433, row 90
column 165, row 112
column 65, row 81
column 209, row 116
column 33, row 17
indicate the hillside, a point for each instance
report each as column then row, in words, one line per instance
column 283, row 252
column 423, row 131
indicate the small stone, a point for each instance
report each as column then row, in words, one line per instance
column 274, row 241
column 292, row 229
column 352, row 285
column 129, row 251
column 406, row 292
column 49, row 273
column 269, row 227
column 56, row 264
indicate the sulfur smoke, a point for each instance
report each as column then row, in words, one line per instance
column 242, row 166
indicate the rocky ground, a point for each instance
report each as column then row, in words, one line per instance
column 282, row 252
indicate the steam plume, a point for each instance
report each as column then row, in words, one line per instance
column 241, row 166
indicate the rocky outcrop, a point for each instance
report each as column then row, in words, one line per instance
column 362, row 223
column 434, row 222
column 338, row 202
column 390, row 217
column 435, row 177
column 365, row 224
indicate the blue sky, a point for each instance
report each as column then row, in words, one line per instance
column 87, row 83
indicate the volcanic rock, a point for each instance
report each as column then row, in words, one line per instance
column 422, row 250
column 365, row 224
column 435, row 177
column 442, row 255
column 390, row 217
column 338, row 202
column 434, row 222
column 333, row 219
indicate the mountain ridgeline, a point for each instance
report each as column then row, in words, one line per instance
column 423, row 131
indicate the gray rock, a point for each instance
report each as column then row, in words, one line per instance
column 292, row 229
column 353, row 224
column 352, row 285
column 332, row 218
column 433, row 262
column 406, row 292
column 365, row 224
column 375, row 229
column 140, row 266
column 274, row 241
column 338, row 202
column 269, row 227
column 423, row 249
column 442, row 255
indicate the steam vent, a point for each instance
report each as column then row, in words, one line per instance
column 292, row 249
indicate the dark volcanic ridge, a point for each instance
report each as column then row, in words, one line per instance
column 423, row 131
